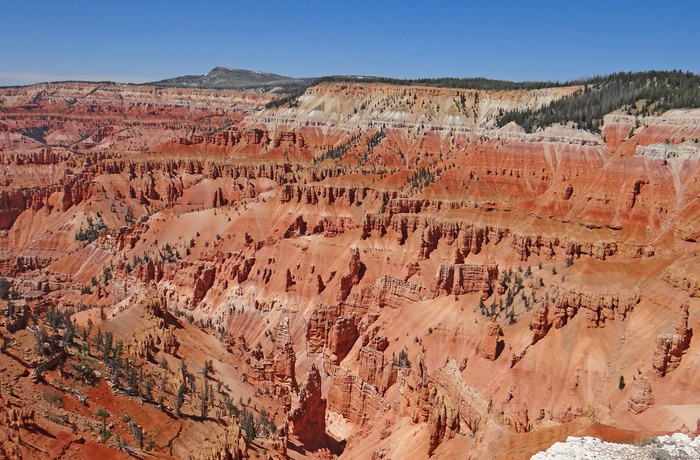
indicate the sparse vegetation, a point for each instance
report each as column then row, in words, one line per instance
column 402, row 359
column 37, row 133
column 92, row 232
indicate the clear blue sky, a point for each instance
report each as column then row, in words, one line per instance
column 148, row 40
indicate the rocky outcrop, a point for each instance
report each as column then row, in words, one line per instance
column 669, row 347
column 317, row 329
column 14, row 202
column 15, row 315
column 230, row 446
column 683, row 276
column 473, row 406
column 374, row 368
column 420, row 205
column 289, row 281
column 45, row 156
column 641, row 397
column 308, row 415
column 519, row 422
column 169, row 342
column 204, row 280
column 341, row 338
column 526, row 245
column 540, row 323
column 356, row 270
column 598, row 307
column 353, row 398
column 331, row 227
column 412, row 396
column 314, row 194
column 296, row 229
column 153, row 271
column 394, row 292
column 490, row 344
column 443, row 418
column 330, row 333
column 285, row 358
column 460, row 279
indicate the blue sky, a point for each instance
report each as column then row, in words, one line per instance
column 513, row 40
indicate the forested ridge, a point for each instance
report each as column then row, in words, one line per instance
column 638, row 93
column 461, row 83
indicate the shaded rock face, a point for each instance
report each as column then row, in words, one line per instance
column 356, row 270
column 331, row 334
column 320, row 323
column 453, row 405
column 285, row 358
column 204, row 281
column 412, row 391
column 342, row 336
column 443, row 418
column 308, row 416
column 669, row 348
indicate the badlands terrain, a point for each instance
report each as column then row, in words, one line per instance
column 368, row 270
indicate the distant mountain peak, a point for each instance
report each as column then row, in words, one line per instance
column 240, row 79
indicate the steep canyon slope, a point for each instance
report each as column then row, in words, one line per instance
column 374, row 271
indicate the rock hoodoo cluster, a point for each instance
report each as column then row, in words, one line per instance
column 340, row 275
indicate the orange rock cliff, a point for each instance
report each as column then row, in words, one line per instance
column 373, row 272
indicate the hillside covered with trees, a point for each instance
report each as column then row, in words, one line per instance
column 639, row 93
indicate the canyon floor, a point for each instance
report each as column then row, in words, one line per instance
column 374, row 271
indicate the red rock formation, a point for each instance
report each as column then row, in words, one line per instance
column 231, row 446
column 394, row 292
column 518, row 422
column 412, row 391
column 472, row 405
column 356, row 270
column 285, row 358
column 443, row 418
column 540, row 323
column 353, row 398
column 641, row 397
column 490, row 344
column 320, row 322
column 465, row 279
column 169, row 342
column 623, row 208
column 296, row 228
column 598, row 307
column 341, row 338
column 669, row 348
column 331, row 227
column 374, row 369
column 308, row 416
column 204, row 280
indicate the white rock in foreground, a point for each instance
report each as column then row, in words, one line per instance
column 678, row 446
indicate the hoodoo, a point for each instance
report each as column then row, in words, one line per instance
column 346, row 268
